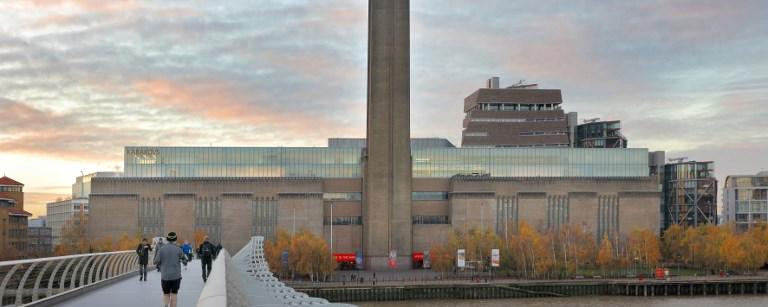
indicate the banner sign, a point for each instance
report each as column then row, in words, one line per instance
column 495, row 258
column 427, row 263
column 359, row 259
column 393, row 258
column 460, row 261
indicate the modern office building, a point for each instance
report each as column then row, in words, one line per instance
column 520, row 115
column 39, row 238
column 690, row 193
column 391, row 199
column 59, row 213
column 600, row 134
column 745, row 200
column 13, row 220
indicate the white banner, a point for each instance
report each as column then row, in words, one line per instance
column 460, row 261
column 495, row 258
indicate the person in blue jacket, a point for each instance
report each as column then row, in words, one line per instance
column 187, row 249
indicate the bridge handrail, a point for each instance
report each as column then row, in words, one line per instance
column 33, row 260
column 32, row 280
column 245, row 280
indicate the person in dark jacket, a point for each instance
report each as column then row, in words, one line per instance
column 207, row 251
column 143, row 251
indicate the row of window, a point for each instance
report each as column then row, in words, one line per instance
column 358, row 220
column 518, row 106
column 481, row 134
column 429, row 196
column 17, row 233
column 343, row 220
column 9, row 188
column 430, row 219
column 513, row 120
column 343, row 196
column 533, row 133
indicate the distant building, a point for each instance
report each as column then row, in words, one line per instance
column 690, row 193
column 59, row 213
column 745, row 200
column 13, row 220
column 600, row 134
column 82, row 186
column 520, row 115
column 39, row 238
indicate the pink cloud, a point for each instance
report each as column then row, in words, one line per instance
column 224, row 101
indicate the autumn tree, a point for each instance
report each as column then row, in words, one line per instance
column 126, row 243
column 605, row 256
column 674, row 243
column 308, row 254
column 73, row 240
column 442, row 258
column 644, row 246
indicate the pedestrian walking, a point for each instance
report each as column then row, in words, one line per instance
column 168, row 258
column 143, row 252
column 207, row 252
column 158, row 245
column 187, row 250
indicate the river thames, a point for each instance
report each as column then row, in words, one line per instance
column 588, row 301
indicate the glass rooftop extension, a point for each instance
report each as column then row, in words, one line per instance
column 346, row 162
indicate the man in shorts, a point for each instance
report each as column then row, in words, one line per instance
column 168, row 259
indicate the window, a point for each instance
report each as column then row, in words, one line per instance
column 430, row 219
column 497, row 120
column 343, row 220
column 481, row 134
column 343, row 196
column 417, row 196
column 9, row 188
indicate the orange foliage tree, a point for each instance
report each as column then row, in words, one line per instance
column 605, row 257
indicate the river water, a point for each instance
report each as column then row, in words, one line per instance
column 588, row 301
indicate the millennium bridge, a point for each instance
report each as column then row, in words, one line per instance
column 110, row 279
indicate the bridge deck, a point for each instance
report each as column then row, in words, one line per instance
column 132, row 292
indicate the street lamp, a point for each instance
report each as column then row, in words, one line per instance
column 331, row 204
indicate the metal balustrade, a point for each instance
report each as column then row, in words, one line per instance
column 43, row 279
column 245, row 280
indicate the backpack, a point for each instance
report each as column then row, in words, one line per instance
column 206, row 251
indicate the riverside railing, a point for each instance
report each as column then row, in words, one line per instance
column 44, row 279
column 245, row 280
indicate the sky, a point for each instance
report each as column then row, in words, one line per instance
column 81, row 79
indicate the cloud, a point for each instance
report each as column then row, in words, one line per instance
column 85, row 78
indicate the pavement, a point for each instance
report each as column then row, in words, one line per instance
column 132, row 292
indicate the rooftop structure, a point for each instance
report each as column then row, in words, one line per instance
column 521, row 115
column 600, row 134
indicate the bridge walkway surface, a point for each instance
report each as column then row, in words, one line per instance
column 132, row 292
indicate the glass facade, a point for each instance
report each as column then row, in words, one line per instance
column 745, row 200
column 530, row 162
column 428, row 162
column 690, row 193
column 242, row 162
